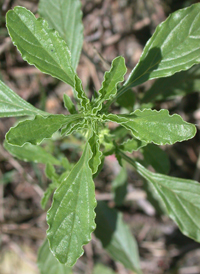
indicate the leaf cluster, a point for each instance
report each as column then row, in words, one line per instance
column 54, row 47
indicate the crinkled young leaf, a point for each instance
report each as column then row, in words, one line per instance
column 71, row 216
column 68, row 104
column 39, row 45
column 174, row 46
column 48, row 264
column 116, row 237
column 155, row 126
column 34, row 131
column 73, row 126
column 31, row 153
column 157, row 158
column 83, row 100
column 12, row 104
column 180, row 196
column 179, row 84
column 109, row 85
column 95, row 161
column 65, row 16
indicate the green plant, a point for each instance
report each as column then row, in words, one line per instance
column 173, row 47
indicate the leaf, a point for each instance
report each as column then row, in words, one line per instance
column 102, row 269
column 95, row 161
column 39, row 45
column 109, row 86
column 180, row 84
column 84, row 101
column 116, row 237
column 31, row 153
column 73, row 126
column 174, row 46
column 12, row 104
column 180, row 196
column 157, row 158
column 131, row 145
column 47, row 263
column 68, row 104
column 155, row 126
column 71, row 216
column 65, row 16
column 127, row 100
column 36, row 130
column 119, row 187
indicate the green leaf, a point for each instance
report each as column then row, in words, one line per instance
column 155, row 126
column 36, row 130
column 109, row 86
column 68, row 104
column 157, row 158
column 116, row 237
column 174, row 46
column 47, row 263
column 95, row 161
column 73, row 126
column 84, row 101
column 119, row 187
column 179, row 84
column 180, row 196
column 102, row 269
column 71, row 216
column 31, row 153
column 127, row 100
column 66, row 17
column 12, row 104
column 39, row 45
column 131, row 145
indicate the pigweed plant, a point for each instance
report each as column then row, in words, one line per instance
column 53, row 45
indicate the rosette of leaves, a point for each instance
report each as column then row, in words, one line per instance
column 54, row 47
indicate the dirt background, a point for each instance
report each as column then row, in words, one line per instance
column 111, row 28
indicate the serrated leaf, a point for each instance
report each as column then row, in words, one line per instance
column 116, row 237
column 157, row 158
column 83, row 100
column 47, row 263
column 36, row 130
column 65, row 16
column 31, row 153
column 68, row 104
column 12, row 105
column 131, row 145
column 180, row 196
column 39, row 45
column 95, row 161
column 174, row 46
column 155, row 126
column 71, row 216
column 109, row 86
column 119, row 187
column 180, row 84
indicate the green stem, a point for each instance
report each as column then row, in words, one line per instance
column 138, row 167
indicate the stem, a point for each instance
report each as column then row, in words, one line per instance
column 138, row 167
